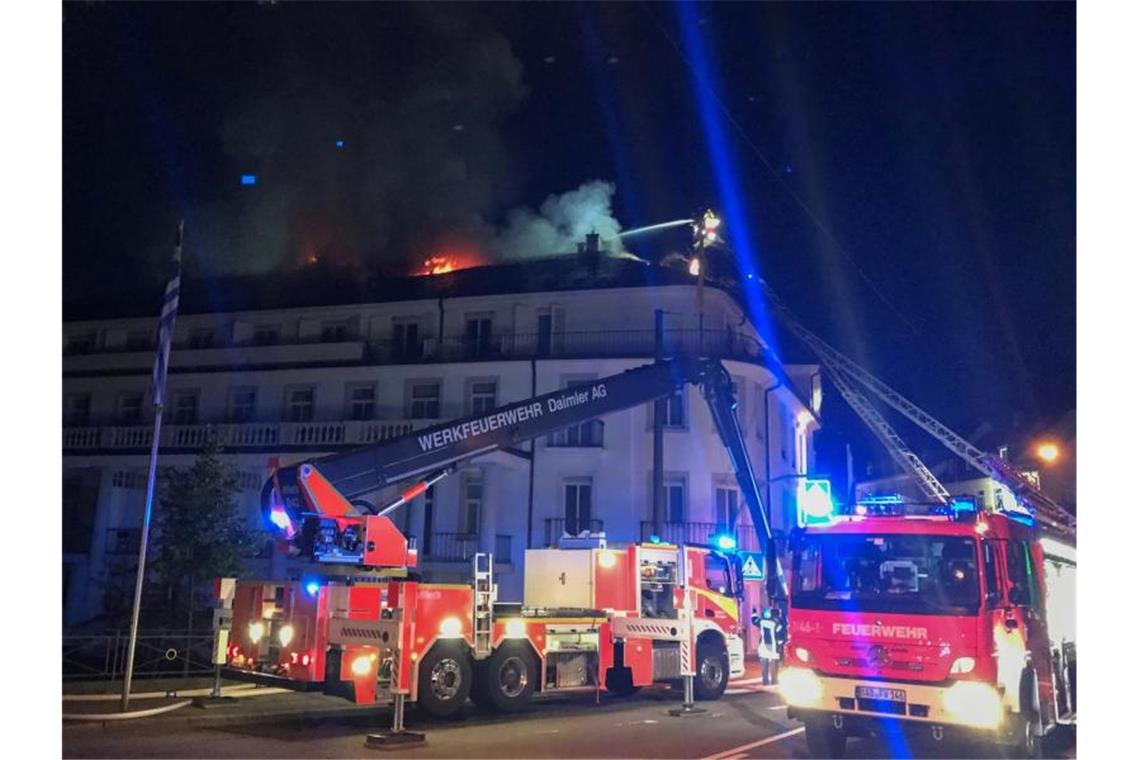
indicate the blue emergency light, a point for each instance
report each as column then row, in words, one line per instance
column 312, row 588
column 813, row 502
column 249, row 179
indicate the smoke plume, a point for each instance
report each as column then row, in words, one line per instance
column 561, row 223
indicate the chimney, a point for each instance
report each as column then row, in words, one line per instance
column 592, row 242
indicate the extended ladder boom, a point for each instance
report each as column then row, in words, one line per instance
column 1050, row 512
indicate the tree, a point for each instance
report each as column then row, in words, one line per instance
column 201, row 533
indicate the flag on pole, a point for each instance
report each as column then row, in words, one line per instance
column 166, row 322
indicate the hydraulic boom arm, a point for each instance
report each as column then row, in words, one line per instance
column 331, row 488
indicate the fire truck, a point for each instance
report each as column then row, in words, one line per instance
column 936, row 616
column 948, row 621
column 592, row 615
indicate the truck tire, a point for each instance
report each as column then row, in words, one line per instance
column 823, row 738
column 1027, row 732
column 445, row 680
column 712, row 670
column 619, row 682
column 509, row 678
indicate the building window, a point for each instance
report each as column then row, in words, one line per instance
column 406, row 341
column 266, row 335
column 544, row 341
column 140, row 340
column 761, row 417
column 201, row 337
column 123, row 540
column 77, row 410
column 299, row 404
column 577, row 498
column 477, row 335
column 724, row 504
column 482, row 395
column 241, row 404
column 334, row 332
column 786, row 433
column 429, row 520
column 590, row 433
column 738, row 391
column 801, row 463
column 80, row 494
column 362, row 402
column 424, row 401
column 185, row 407
column 472, row 504
column 675, row 500
column 675, row 410
column 82, row 343
column 129, row 411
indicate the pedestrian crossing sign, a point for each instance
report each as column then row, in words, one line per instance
column 753, row 567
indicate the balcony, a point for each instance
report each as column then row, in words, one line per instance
column 570, row 345
column 586, row 344
column 253, row 435
column 461, row 547
column 556, row 527
column 700, row 533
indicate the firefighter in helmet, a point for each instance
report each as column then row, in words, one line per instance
column 771, row 644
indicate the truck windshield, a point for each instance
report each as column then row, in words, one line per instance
column 925, row 575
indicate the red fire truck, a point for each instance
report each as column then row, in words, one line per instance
column 592, row 615
column 946, row 620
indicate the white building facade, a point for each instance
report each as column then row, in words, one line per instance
column 299, row 382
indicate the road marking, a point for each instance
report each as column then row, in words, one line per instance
column 777, row 707
column 745, row 747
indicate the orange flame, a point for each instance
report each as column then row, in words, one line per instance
column 439, row 265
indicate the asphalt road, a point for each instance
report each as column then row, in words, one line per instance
column 745, row 723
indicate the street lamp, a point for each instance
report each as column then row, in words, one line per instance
column 1048, row 452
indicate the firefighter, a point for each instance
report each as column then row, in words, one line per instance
column 769, row 649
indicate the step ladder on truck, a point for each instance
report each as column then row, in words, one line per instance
column 593, row 615
column 938, row 617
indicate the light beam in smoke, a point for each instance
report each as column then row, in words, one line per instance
column 651, row 227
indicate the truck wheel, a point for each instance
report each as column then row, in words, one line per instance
column 712, row 670
column 1027, row 733
column 445, row 680
column 823, row 738
column 619, row 682
column 509, row 678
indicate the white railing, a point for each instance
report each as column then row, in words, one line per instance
column 317, row 435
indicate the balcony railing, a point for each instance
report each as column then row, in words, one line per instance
column 556, row 527
column 460, row 547
column 700, row 533
column 577, row 344
column 246, row 435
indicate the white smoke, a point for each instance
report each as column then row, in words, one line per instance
column 561, row 223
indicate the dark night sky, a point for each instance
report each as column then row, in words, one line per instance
column 936, row 142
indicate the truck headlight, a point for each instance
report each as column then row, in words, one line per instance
column 973, row 703
column 285, row 634
column 801, row 687
column 362, row 665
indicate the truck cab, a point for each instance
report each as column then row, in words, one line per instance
column 935, row 622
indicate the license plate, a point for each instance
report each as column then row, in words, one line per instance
column 877, row 692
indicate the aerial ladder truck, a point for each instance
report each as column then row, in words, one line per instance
column 596, row 616
column 933, row 616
